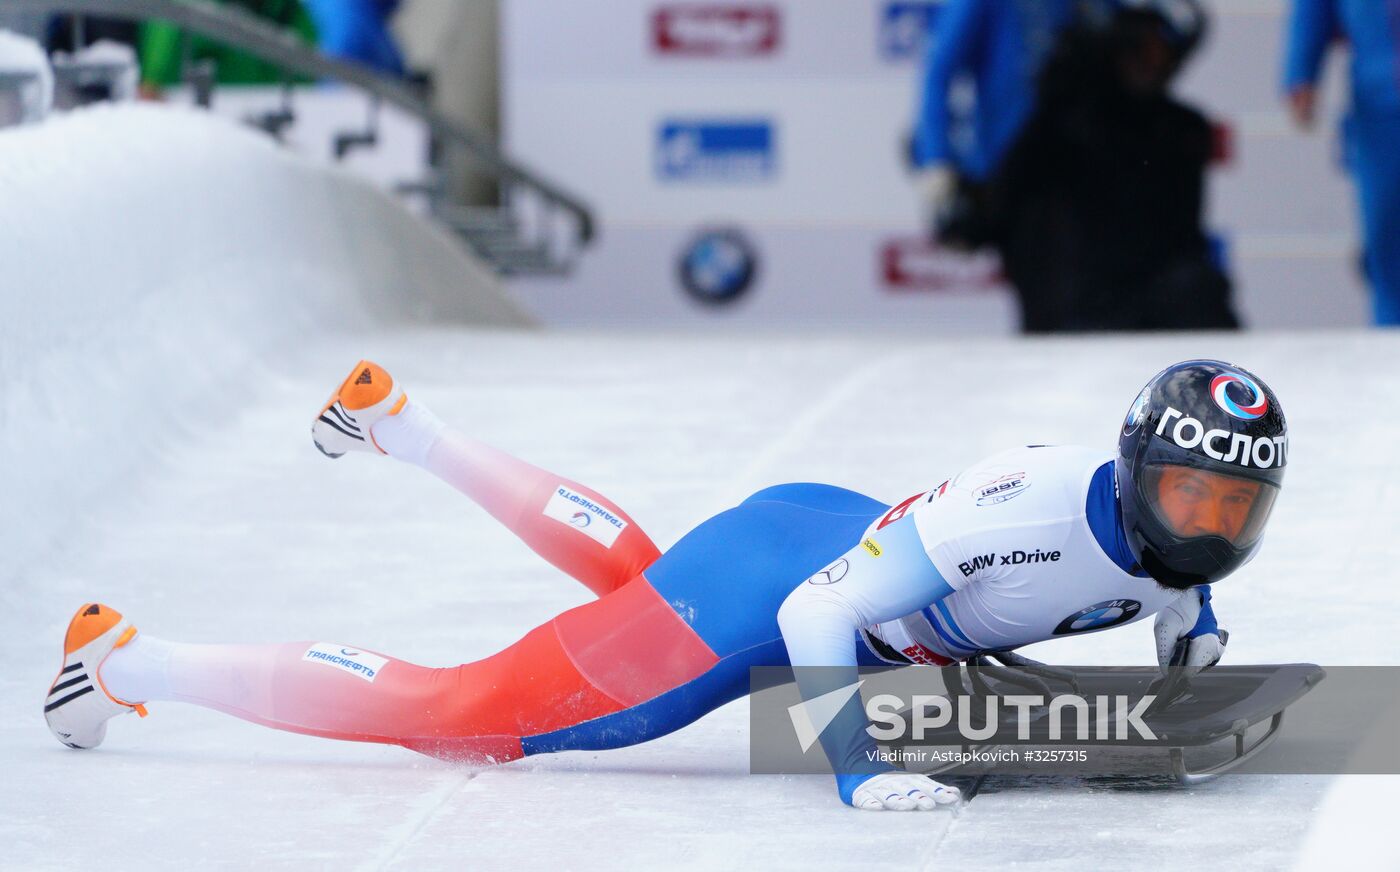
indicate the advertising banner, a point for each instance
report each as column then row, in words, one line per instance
column 748, row 163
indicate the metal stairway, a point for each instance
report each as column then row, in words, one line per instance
column 538, row 228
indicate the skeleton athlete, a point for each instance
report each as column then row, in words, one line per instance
column 1027, row 545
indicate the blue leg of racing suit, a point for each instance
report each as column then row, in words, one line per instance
column 726, row 580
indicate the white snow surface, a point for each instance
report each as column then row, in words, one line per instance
column 156, row 458
column 240, row 531
column 147, row 253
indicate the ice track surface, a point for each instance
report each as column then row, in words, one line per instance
column 243, row 532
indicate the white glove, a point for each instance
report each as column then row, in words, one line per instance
column 935, row 184
column 903, row 791
column 1176, row 621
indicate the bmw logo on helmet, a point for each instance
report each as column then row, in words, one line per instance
column 1138, row 411
column 718, row 265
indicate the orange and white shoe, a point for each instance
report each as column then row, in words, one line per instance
column 367, row 394
column 78, row 705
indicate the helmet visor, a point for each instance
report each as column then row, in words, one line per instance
column 1193, row 502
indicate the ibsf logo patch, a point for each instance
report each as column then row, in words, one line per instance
column 731, row 151
column 999, row 490
column 906, row 27
column 1253, row 406
column 584, row 515
column 725, row 30
column 360, row 664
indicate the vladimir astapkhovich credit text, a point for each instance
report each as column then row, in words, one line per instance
column 916, row 757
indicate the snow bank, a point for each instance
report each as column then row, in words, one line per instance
column 22, row 56
column 149, row 258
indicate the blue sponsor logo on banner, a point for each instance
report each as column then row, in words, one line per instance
column 905, row 28
column 718, row 151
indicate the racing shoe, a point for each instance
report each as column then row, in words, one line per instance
column 79, row 706
column 366, row 395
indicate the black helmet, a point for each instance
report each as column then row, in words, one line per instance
column 1182, row 23
column 1200, row 462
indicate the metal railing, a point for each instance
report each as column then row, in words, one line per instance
column 241, row 29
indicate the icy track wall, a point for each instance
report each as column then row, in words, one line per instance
column 150, row 259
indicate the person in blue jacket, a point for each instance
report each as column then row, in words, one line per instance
column 357, row 31
column 999, row 45
column 1371, row 130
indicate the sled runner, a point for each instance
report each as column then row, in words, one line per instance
column 1221, row 705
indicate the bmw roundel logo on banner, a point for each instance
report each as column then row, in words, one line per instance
column 1099, row 616
column 718, row 266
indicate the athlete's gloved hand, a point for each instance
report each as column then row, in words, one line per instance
column 936, row 184
column 902, row 791
column 1187, row 634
